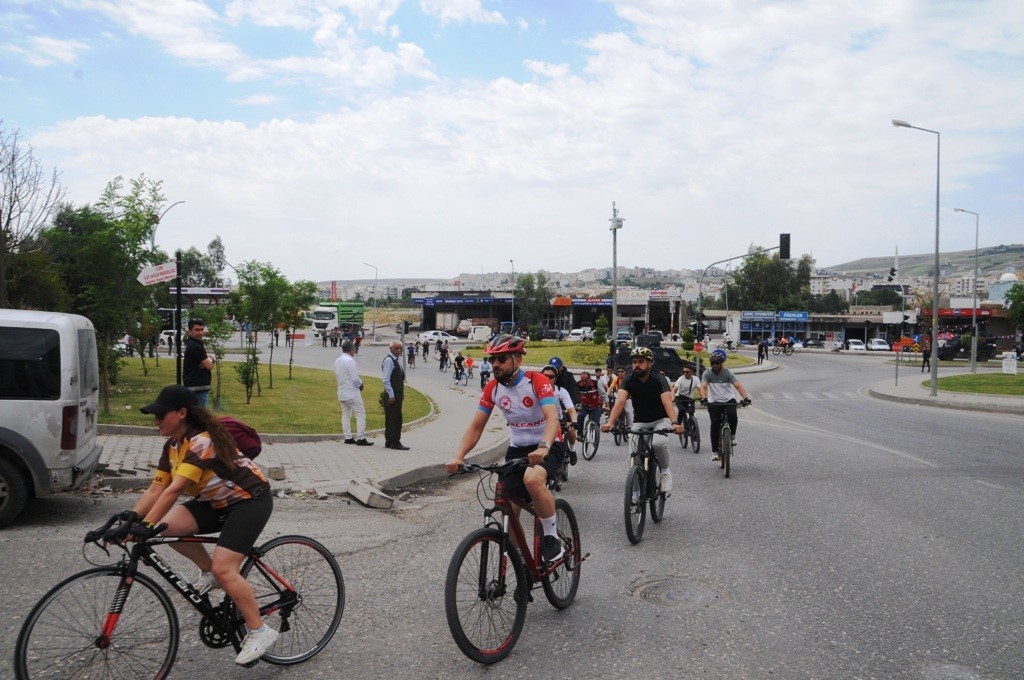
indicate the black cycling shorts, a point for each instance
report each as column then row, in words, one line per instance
column 512, row 482
column 239, row 524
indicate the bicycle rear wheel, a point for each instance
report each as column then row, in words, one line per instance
column 560, row 585
column 684, row 439
column 464, row 378
column 484, row 600
column 305, row 575
column 591, row 439
column 63, row 636
column 726, row 449
column 657, row 498
column 694, row 431
column 635, row 505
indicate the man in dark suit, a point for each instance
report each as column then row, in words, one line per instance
column 394, row 384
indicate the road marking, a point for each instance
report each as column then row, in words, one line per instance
column 829, row 395
column 810, row 395
column 989, row 485
column 767, row 395
column 787, row 395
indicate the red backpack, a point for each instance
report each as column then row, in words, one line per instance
column 246, row 439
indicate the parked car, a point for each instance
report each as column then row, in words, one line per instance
column 855, row 345
column 549, row 334
column 623, row 336
column 878, row 345
column 816, row 343
column 50, row 396
column 576, row 335
column 955, row 349
column 434, row 336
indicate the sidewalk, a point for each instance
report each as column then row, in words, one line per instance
column 323, row 464
column 911, row 391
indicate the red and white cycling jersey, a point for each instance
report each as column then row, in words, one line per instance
column 520, row 402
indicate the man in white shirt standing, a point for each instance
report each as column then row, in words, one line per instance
column 349, row 387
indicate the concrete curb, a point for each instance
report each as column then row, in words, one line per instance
column 958, row 401
column 436, row 472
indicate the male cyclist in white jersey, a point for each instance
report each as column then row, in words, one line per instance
column 528, row 402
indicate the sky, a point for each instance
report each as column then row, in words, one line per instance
column 430, row 138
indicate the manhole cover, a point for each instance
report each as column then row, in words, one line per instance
column 680, row 591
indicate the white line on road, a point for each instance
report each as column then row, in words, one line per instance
column 989, row 485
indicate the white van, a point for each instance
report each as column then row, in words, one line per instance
column 480, row 333
column 49, row 398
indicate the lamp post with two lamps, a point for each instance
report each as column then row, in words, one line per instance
column 935, row 282
column 974, row 307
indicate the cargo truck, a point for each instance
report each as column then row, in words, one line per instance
column 446, row 321
column 347, row 315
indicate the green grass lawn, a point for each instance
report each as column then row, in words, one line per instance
column 306, row 404
column 983, row 383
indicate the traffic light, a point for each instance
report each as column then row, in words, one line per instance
column 783, row 246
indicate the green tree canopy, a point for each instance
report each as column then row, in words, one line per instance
column 533, row 293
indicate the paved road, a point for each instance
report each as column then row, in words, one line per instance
column 856, row 539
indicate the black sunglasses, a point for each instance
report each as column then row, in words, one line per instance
column 500, row 358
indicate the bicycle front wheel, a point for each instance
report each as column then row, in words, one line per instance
column 657, row 498
column 776, row 351
column 591, row 439
column 66, row 634
column 304, row 575
column 560, row 585
column 635, row 505
column 694, row 430
column 485, row 600
column 726, row 449
column 464, row 379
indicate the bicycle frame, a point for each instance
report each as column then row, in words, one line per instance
column 144, row 552
column 510, row 527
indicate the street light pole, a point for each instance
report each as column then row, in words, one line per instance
column 374, row 299
column 513, row 293
column 616, row 225
column 155, row 221
column 974, row 308
column 935, row 280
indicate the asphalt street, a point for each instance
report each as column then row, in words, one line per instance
column 856, row 538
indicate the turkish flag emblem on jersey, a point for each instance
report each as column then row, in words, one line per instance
column 505, row 404
column 528, row 402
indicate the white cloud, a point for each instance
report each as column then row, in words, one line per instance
column 258, row 100
column 44, row 51
column 461, row 10
column 712, row 127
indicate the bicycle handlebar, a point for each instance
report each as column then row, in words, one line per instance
column 660, row 430
column 506, row 466
column 109, row 534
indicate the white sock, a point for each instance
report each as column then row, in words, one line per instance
column 549, row 526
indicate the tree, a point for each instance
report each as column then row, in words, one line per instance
column 300, row 296
column 198, row 269
column 28, row 198
column 1015, row 304
column 33, row 282
column 532, row 295
column 99, row 259
column 258, row 299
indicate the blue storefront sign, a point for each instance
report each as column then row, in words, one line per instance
column 794, row 316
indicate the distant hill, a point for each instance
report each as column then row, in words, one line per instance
column 992, row 260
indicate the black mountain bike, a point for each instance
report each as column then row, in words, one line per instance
column 725, row 436
column 493, row 571
column 684, row 412
column 619, row 430
column 643, row 485
column 116, row 622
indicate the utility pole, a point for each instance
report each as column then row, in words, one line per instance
column 616, row 225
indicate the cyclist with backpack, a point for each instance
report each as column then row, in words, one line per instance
column 231, row 496
column 528, row 402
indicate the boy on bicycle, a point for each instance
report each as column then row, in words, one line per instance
column 528, row 402
column 716, row 391
column 590, row 401
column 682, row 392
column 652, row 406
column 460, row 363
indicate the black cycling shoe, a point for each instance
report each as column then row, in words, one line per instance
column 551, row 549
column 572, row 457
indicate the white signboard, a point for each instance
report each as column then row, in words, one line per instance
column 158, row 273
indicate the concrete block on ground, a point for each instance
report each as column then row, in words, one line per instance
column 369, row 495
column 276, row 473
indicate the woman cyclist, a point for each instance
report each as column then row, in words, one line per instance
column 231, row 496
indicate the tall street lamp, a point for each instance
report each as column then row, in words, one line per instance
column 974, row 308
column 374, row 299
column 616, row 225
column 935, row 281
column 155, row 221
column 513, row 294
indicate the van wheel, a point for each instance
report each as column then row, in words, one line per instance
column 983, row 356
column 13, row 493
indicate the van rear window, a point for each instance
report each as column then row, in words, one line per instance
column 29, row 363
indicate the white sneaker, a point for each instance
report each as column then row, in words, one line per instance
column 206, row 583
column 666, row 481
column 256, row 644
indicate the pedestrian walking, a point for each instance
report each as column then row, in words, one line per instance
column 350, row 387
